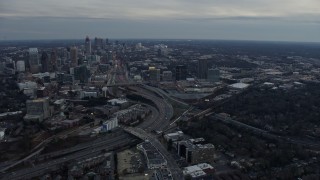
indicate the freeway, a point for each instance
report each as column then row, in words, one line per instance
column 82, row 146
column 165, row 95
column 160, row 119
column 161, row 122
column 148, row 122
column 95, row 149
column 37, row 150
column 165, row 108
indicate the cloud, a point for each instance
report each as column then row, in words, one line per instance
column 214, row 19
column 154, row 9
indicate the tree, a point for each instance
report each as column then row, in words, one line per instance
column 170, row 142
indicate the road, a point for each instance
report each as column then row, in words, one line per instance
column 163, row 112
column 37, row 150
column 165, row 95
column 94, row 149
column 171, row 163
column 163, row 106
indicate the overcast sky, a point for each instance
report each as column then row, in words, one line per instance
column 275, row 20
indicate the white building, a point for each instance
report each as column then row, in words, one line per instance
column 198, row 171
column 2, row 132
column 137, row 78
column 21, row 66
column 28, row 84
column 89, row 94
column 174, row 136
column 119, row 102
column 109, row 124
column 239, row 86
column 28, row 88
column 105, row 91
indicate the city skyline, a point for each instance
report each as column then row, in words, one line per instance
column 176, row 19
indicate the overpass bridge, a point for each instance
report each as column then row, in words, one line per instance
column 124, row 84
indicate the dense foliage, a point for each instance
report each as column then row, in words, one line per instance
column 294, row 111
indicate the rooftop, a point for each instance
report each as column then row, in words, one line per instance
column 118, row 101
column 239, row 85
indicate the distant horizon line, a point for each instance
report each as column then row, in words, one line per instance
column 161, row 39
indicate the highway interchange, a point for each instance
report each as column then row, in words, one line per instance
column 160, row 119
column 53, row 161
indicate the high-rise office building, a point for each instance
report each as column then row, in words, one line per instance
column 53, row 60
column 20, row 65
column 74, row 56
column 34, row 60
column 87, row 45
column 181, row 72
column 81, row 73
column 154, row 74
column 33, row 56
column 202, row 69
column 98, row 43
column 45, row 62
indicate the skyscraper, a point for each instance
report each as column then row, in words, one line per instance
column 53, row 60
column 202, row 69
column 98, row 43
column 154, row 74
column 82, row 73
column 34, row 60
column 45, row 62
column 181, row 72
column 74, row 56
column 87, row 45
column 20, row 65
column 33, row 56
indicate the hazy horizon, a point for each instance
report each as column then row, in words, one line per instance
column 252, row 20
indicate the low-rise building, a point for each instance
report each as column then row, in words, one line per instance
column 119, row 102
column 70, row 123
column 239, row 86
column 37, row 109
column 174, row 136
column 167, row 76
column 2, row 133
column 132, row 114
column 196, row 153
column 102, row 165
column 88, row 94
column 199, row 171
column 109, row 124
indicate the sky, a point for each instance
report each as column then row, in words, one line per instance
column 272, row 20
